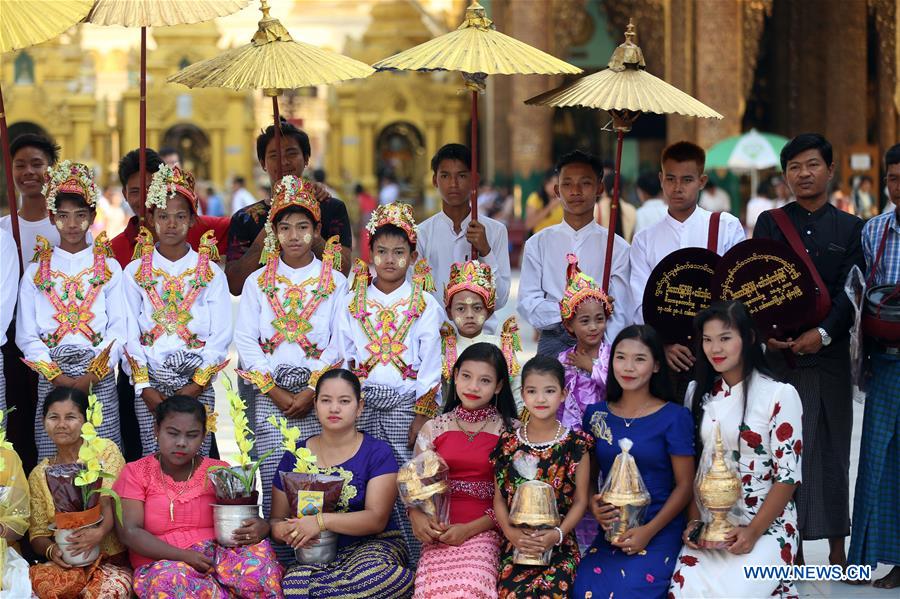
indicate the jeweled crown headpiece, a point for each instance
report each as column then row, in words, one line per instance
column 168, row 181
column 289, row 191
column 580, row 288
column 473, row 276
column 70, row 177
column 397, row 214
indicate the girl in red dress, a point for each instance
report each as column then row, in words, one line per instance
column 460, row 558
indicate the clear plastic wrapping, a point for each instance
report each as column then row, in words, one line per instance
column 717, row 489
column 423, row 483
column 231, row 484
column 533, row 507
column 624, row 488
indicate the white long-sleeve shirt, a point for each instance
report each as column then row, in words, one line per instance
column 544, row 265
column 36, row 316
column 210, row 314
column 653, row 244
column 255, row 318
column 441, row 246
column 422, row 343
column 9, row 281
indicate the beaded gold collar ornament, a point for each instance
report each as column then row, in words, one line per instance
column 397, row 214
column 580, row 288
column 70, row 177
column 168, row 181
column 289, row 191
column 473, row 276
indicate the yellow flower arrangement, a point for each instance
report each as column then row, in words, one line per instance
column 89, row 454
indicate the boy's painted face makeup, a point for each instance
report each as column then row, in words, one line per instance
column 542, row 395
column 633, row 364
column 72, row 220
column 476, row 384
column 295, row 235
column 468, row 312
column 172, row 223
column 588, row 325
column 723, row 346
column 391, row 256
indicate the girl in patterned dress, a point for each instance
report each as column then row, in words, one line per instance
column 460, row 558
column 562, row 459
column 760, row 424
column 175, row 296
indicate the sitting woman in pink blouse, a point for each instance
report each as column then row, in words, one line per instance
column 167, row 520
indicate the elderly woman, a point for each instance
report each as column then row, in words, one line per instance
column 14, row 511
column 64, row 411
column 167, row 519
column 372, row 556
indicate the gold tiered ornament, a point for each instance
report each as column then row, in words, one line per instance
column 718, row 489
column 423, row 484
column 533, row 507
column 624, row 488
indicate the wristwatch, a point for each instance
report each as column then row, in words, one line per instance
column 826, row 338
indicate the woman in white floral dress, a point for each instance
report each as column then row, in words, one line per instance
column 760, row 421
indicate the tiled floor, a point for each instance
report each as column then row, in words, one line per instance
column 816, row 551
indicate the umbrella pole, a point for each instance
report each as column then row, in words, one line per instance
column 474, row 192
column 142, row 158
column 277, row 117
column 613, row 212
column 10, row 184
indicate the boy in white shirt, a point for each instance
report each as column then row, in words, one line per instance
column 9, row 287
column 448, row 237
column 177, row 336
column 685, row 225
column 286, row 320
column 544, row 263
column 72, row 317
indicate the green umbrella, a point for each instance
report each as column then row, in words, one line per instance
column 750, row 152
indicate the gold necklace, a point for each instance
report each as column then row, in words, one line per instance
column 177, row 495
column 471, row 435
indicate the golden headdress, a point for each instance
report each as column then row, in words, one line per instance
column 397, row 214
column 168, row 181
column 70, row 177
column 579, row 288
column 473, row 276
column 289, row 191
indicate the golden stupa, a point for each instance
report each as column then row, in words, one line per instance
column 719, row 489
column 624, row 488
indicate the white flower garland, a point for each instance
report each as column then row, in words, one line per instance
column 161, row 189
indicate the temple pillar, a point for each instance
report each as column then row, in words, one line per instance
column 366, row 173
column 81, row 111
column 217, row 154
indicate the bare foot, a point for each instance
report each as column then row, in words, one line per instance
column 890, row 581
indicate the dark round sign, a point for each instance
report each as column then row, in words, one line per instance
column 772, row 282
column 679, row 287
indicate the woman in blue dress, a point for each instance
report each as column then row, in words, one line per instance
column 638, row 407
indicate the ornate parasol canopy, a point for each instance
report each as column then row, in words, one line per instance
column 626, row 90
column 156, row 13
column 161, row 13
column 476, row 49
column 272, row 61
column 25, row 23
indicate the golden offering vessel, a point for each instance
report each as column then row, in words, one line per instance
column 534, row 506
column 626, row 491
column 718, row 491
column 422, row 487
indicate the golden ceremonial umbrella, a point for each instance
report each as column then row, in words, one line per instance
column 477, row 50
column 25, row 23
column 626, row 90
column 156, row 13
column 272, row 61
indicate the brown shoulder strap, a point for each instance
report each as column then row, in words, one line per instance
column 790, row 233
column 712, row 241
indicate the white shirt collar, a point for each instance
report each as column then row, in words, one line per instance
column 376, row 294
column 448, row 222
column 158, row 258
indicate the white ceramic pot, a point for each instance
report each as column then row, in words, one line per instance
column 61, row 537
column 321, row 551
column 229, row 518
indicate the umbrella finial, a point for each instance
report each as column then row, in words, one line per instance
column 264, row 7
column 476, row 17
column 628, row 55
column 270, row 30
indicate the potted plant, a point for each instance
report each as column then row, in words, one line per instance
column 312, row 490
column 236, row 496
column 76, row 488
